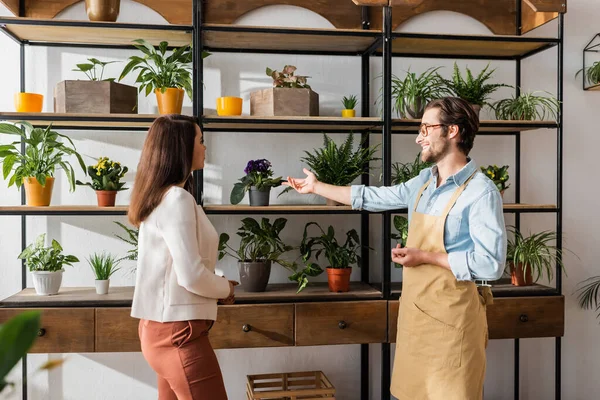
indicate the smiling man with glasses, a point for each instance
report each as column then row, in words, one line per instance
column 456, row 236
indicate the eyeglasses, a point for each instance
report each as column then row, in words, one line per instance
column 425, row 129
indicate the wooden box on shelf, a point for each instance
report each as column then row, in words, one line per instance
column 95, row 97
column 296, row 385
column 284, row 102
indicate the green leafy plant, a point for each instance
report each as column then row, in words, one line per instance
column 411, row 94
column 589, row 294
column 286, row 78
column 401, row 234
column 349, row 102
column 258, row 175
column 337, row 255
column 43, row 154
column 526, row 107
column 499, row 175
column 473, row 89
column 403, row 172
column 259, row 242
column 106, row 175
column 592, row 74
column 132, row 239
column 104, row 265
column 89, row 69
column 49, row 259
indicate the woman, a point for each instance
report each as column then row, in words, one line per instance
column 176, row 288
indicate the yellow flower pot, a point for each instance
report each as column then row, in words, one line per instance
column 171, row 101
column 36, row 194
column 229, row 106
column 28, row 102
column 348, row 113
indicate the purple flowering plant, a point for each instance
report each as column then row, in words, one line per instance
column 259, row 176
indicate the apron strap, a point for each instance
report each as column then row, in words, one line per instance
column 456, row 195
column 421, row 193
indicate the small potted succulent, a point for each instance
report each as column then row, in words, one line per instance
column 498, row 175
column 340, row 258
column 260, row 245
column 403, row 172
column 46, row 265
column 104, row 266
column 106, row 180
column 258, row 181
column 527, row 107
column 349, row 104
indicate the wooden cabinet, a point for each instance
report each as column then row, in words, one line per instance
column 116, row 330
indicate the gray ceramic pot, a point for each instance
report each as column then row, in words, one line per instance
column 259, row 198
column 254, row 276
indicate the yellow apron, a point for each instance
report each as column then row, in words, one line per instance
column 442, row 325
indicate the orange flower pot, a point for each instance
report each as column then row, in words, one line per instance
column 171, row 101
column 518, row 277
column 229, row 106
column 106, row 198
column 339, row 279
column 28, row 102
column 36, row 194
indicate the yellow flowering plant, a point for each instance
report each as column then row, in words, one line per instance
column 499, row 175
column 106, row 175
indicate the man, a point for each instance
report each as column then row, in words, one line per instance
column 456, row 236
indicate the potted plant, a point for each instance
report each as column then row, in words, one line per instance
column 592, row 74
column 36, row 167
column 106, row 180
column 403, row 172
column 260, row 245
column 528, row 258
column 258, row 180
column 499, row 175
column 104, row 266
column 473, row 89
column 340, row 258
column 102, row 10
column 349, row 104
column 411, row 94
column 289, row 96
column 401, row 234
column 97, row 95
column 526, row 107
column 46, row 265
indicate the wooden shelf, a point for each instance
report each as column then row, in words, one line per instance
column 468, row 46
column 63, row 210
column 501, row 288
column 485, row 126
column 29, row 30
column 122, row 296
column 224, row 37
column 84, row 121
column 278, row 209
column 288, row 124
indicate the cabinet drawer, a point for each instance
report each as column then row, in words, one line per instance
column 244, row 326
column 63, row 330
column 341, row 323
column 116, row 330
column 512, row 318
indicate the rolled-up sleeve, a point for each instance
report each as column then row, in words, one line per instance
column 485, row 261
column 373, row 198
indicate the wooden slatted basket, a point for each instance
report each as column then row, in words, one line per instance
column 312, row 385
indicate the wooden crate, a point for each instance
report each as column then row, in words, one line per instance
column 311, row 385
column 284, row 102
column 95, row 97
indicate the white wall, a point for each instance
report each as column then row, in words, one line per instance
column 126, row 376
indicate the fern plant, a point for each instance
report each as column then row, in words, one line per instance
column 132, row 239
column 473, row 89
column 403, row 172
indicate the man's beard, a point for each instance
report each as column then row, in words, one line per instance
column 435, row 157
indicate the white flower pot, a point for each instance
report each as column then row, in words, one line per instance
column 47, row 283
column 102, row 286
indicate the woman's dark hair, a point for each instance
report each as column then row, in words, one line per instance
column 456, row 111
column 166, row 160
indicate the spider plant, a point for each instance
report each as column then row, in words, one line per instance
column 527, row 107
column 592, row 74
column 411, row 94
column 589, row 294
column 403, row 172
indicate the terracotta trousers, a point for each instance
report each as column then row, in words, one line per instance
column 182, row 357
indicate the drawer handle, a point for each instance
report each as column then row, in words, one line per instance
column 246, row 328
column 342, row 325
column 41, row 332
column 524, row 318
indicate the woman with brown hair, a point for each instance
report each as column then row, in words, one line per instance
column 176, row 288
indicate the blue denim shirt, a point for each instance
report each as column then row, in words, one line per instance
column 475, row 233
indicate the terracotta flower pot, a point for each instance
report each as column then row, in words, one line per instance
column 36, row 194
column 518, row 277
column 339, row 279
column 106, row 198
column 28, row 102
column 502, row 194
column 102, row 10
column 171, row 101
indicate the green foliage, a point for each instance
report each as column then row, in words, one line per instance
column 43, row 154
column 89, row 69
column 592, row 74
column 259, row 242
column 106, row 175
column 401, row 234
column 287, row 79
column 403, row 172
column 49, row 259
column 336, row 254
column 473, row 89
column 499, row 175
column 258, row 175
column 526, row 107
column 132, row 239
column 411, row 94
column 589, row 294
column 349, row 102
column 104, row 265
